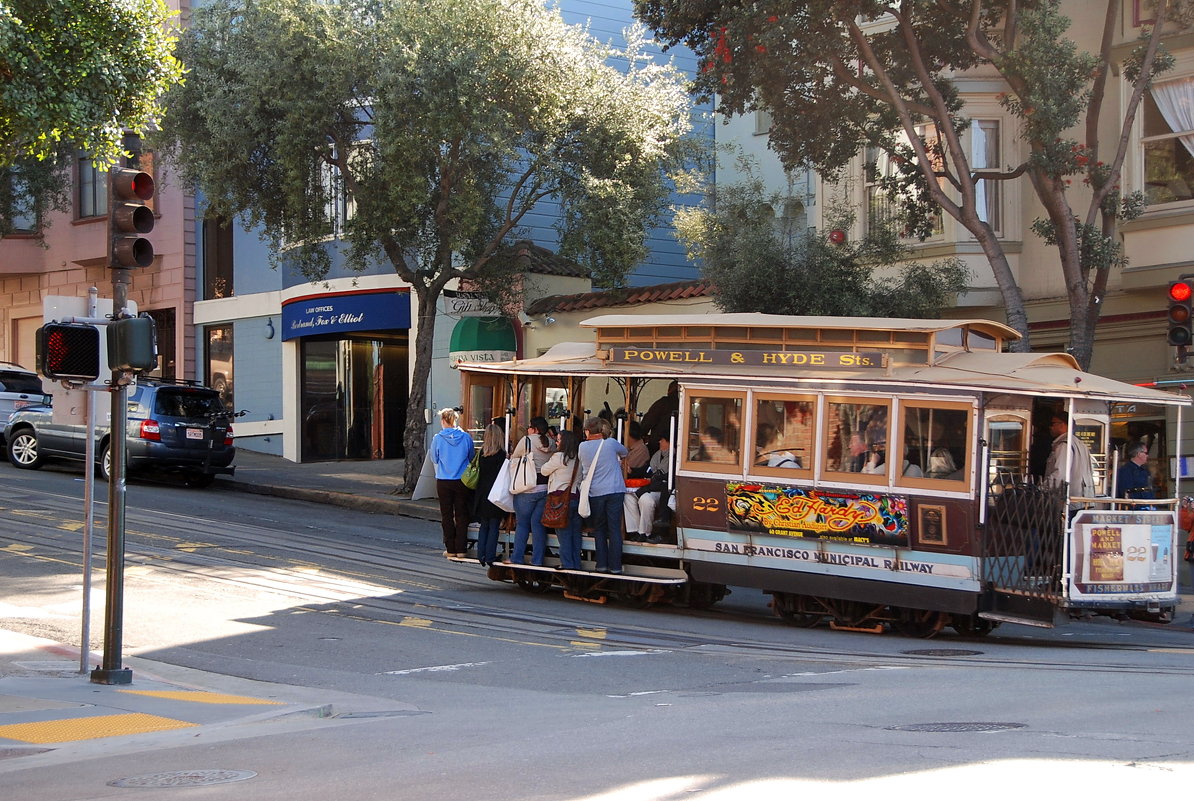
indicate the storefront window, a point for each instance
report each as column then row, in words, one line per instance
column 353, row 401
column 219, row 362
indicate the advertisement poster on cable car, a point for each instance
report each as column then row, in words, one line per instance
column 1123, row 552
column 862, row 518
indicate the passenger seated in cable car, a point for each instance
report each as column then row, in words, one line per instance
column 767, row 454
column 876, row 462
column 712, row 447
column 941, row 465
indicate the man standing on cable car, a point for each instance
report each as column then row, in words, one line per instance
column 1081, row 477
column 1133, row 480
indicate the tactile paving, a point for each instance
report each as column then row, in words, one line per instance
column 89, row 728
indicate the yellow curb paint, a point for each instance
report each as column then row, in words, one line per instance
column 90, row 728
column 201, row 697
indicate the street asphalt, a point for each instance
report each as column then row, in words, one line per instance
column 51, row 713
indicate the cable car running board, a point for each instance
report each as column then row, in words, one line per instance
column 1023, row 621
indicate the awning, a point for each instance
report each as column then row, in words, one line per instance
column 482, row 339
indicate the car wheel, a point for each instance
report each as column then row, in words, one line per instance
column 199, row 480
column 23, row 451
column 105, row 463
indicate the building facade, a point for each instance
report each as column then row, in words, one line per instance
column 1130, row 343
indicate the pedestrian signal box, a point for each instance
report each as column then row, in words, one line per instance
column 68, row 351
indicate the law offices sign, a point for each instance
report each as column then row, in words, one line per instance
column 340, row 312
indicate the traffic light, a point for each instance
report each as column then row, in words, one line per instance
column 1181, row 295
column 68, row 351
column 129, row 218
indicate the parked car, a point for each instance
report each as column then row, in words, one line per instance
column 18, row 388
column 172, row 427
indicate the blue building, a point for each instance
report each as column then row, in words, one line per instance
column 324, row 368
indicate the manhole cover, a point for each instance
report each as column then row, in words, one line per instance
column 184, row 778
column 941, row 652
column 955, row 727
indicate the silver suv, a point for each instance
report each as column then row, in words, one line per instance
column 172, row 427
column 18, row 388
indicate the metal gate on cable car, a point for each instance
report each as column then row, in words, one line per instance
column 868, row 474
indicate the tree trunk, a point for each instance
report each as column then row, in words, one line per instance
column 414, row 438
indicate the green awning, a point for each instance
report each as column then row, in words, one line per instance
column 482, row 339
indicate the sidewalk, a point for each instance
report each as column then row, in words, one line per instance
column 368, row 486
column 51, row 714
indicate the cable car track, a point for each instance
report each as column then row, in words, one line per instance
column 331, row 577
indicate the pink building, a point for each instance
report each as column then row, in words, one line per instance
column 69, row 255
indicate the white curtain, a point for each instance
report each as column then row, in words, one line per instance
column 1175, row 101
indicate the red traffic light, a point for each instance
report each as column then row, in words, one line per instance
column 129, row 217
column 1181, row 314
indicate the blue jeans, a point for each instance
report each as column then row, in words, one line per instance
column 528, row 512
column 487, row 540
column 605, row 514
column 569, row 536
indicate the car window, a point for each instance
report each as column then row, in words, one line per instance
column 20, row 382
column 188, row 404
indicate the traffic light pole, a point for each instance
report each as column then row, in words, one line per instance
column 112, row 670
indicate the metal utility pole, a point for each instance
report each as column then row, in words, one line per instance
column 128, row 218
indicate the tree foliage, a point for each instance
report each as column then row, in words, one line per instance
column 73, row 75
column 839, row 76
column 79, row 72
column 760, row 264
column 443, row 122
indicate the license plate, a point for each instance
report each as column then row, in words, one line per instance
column 194, row 433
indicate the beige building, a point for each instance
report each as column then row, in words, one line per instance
column 1131, row 338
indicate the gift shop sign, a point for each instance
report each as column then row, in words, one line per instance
column 339, row 312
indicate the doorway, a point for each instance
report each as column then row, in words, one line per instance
column 353, row 397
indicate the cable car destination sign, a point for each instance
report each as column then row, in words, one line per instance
column 826, row 360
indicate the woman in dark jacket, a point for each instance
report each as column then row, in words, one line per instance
column 493, row 454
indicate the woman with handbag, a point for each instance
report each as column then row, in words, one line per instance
column 602, row 491
column 488, row 516
column 451, row 452
column 562, row 471
column 530, row 492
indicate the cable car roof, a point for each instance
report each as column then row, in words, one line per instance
column 755, row 320
column 1048, row 374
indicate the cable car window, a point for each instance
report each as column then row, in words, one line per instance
column 935, row 441
column 856, row 437
column 784, row 434
column 713, row 438
column 1008, row 435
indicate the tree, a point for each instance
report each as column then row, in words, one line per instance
column 842, row 75
column 443, row 122
column 759, row 265
column 80, row 72
column 74, row 74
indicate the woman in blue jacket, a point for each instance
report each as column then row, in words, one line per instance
column 451, row 452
